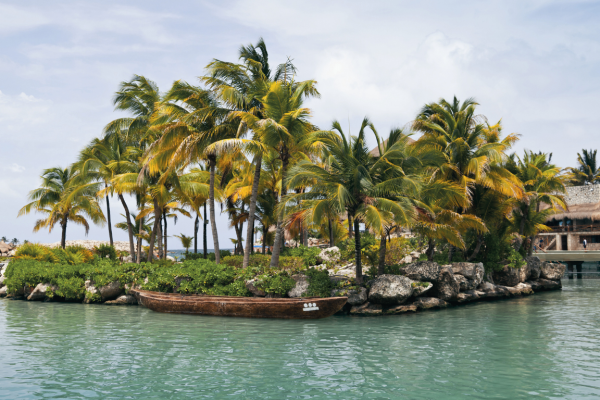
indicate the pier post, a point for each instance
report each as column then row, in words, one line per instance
column 579, row 265
column 570, row 269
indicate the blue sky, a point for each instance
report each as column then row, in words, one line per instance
column 533, row 64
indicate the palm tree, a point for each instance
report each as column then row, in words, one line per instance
column 101, row 161
column 63, row 200
column 588, row 171
column 242, row 87
column 186, row 241
column 140, row 227
column 543, row 187
column 375, row 191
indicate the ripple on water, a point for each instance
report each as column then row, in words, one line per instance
column 543, row 346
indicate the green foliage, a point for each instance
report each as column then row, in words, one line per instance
column 421, row 284
column 275, row 282
column 515, row 259
column 347, row 246
column 310, row 255
column 195, row 256
column 319, row 283
column 262, row 262
column 397, row 249
column 106, row 250
column 70, row 255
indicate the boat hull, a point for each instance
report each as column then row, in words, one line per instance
column 249, row 307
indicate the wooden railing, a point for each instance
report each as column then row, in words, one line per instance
column 578, row 228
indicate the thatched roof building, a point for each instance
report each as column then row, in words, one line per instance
column 583, row 202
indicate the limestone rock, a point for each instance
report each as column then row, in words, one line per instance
column 400, row 309
column 552, row 271
column 3, row 291
column 301, row 286
column 331, row 254
column 336, row 280
column 534, row 266
column 355, row 297
column 390, row 290
column 170, row 258
column 472, row 272
column 27, row 290
column 125, row 300
column 445, row 287
column 366, row 309
column 253, row 289
column 492, row 291
column 39, row 293
column 424, row 271
column 423, row 303
column 469, row 295
column 110, row 291
column 418, row 290
column 507, row 276
column 544, row 284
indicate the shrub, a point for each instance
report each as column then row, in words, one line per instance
column 105, row 250
column 347, row 246
column 310, row 255
column 396, row 250
column 275, row 282
column 319, row 283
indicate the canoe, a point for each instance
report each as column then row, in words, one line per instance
column 250, row 307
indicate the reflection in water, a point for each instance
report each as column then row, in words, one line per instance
column 540, row 346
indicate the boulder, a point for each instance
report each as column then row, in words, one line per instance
column 170, row 258
column 110, row 291
column 469, row 295
column 124, row 300
column 39, row 293
column 544, row 284
column 522, row 289
column 3, row 291
column 301, row 286
column 253, row 289
column 127, row 259
column 507, row 276
column 534, row 266
column 552, row 271
column 367, row 309
column 27, row 290
column 424, row 271
column 355, row 297
column 492, row 291
column 419, row 289
column 445, row 287
column 424, row 303
column 472, row 271
column 337, row 280
column 400, row 309
column 330, row 255
column 390, row 290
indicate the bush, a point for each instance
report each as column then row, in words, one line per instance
column 396, row 250
column 105, row 250
column 310, row 255
column 319, row 283
column 262, row 262
column 347, row 246
column 70, row 255
column 275, row 282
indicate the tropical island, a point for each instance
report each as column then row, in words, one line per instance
column 439, row 212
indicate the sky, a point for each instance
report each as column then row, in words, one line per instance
column 535, row 65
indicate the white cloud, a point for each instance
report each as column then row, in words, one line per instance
column 14, row 167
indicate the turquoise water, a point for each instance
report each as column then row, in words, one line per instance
column 543, row 346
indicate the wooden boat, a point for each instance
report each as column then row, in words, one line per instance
column 251, row 307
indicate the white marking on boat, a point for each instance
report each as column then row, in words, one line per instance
column 310, row 307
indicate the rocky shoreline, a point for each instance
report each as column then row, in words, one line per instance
column 420, row 286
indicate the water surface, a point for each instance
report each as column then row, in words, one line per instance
column 543, row 346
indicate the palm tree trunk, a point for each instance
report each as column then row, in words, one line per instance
column 264, row 241
column 129, row 227
column 430, row 250
column 382, row 249
column 477, row 247
column 165, row 235
column 110, row 235
column 159, row 235
column 359, row 277
column 155, row 230
column 305, row 237
column 252, row 247
column 350, row 234
column 196, row 226
column 279, row 235
column 204, row 233
column 139, row 242
column 211, row 203
column 331, row 244
column 63, row 224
